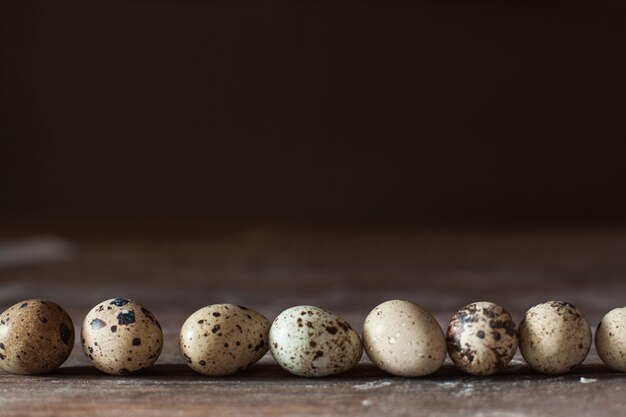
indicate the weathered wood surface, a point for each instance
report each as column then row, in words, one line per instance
column 174, row 272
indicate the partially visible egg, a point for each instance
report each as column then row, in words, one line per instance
column 311, row 341
column 555, row 337
column 36, row 337
column 482, row 338
column 222, row 339
column 611, row 339
column 121, row 337
column 404, row 339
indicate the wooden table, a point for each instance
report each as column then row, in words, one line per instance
column 176, row 269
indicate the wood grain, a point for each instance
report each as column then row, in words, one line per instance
column 346, row 270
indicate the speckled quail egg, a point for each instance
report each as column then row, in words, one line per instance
column 311, row 341
column 555, row 337
column 611, row 339
column 482, row 338
column 404, row 339
column 121, row 337
column 222, row 339
column 36, row 337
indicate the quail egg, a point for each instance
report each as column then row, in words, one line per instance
column 555, row 337
column 121, row 337
column 482, row 338
column 36, row 337
column 611, row 339
column 222, row 339
column 404, row 339
column 311, row 341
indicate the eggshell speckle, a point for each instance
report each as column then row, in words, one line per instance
column 555, row 337
column 36, row 337
column 310, row 341
column 121, row 337
column 222, row 339
column 482, row 338
column 404, row 339
column 611, row 339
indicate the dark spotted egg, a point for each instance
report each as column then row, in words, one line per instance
column 222, row 339
column 554, row 337
column 36, row 337
column 121, row 337
column 310, row 341
column 482, row 338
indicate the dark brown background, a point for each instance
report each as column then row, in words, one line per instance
column 366, row 112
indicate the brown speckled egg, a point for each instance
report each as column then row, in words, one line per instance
column 222, row 339
column 404, row 339
column 36, row 337
column 121, row 337
column 555, row 337
column 482, row 338
column 611, row 339
column 310, row 341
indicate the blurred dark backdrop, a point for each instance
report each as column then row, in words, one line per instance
column 390, row 112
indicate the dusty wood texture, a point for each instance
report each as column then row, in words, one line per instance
column 348, row 271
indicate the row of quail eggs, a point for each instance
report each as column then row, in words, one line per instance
column 554, row 337
column 121, row 337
